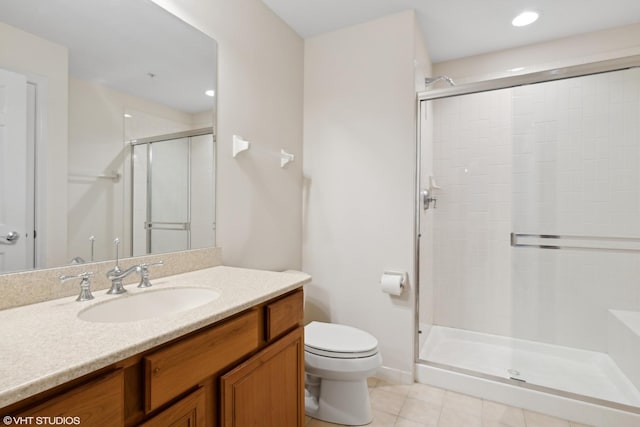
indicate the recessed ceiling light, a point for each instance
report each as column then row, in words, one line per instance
column 210, row 92
column 127, row 116
column 525, row 18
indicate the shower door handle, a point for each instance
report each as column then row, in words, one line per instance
column 427, row 199
column 156, row 225
column 10, row 238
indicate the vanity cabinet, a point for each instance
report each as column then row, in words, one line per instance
column 245, row 370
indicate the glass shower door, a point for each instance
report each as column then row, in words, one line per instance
column 168, row 216
column 528, row 266
column 173, row 184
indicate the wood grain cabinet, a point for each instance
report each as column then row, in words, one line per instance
column 178, row 367
column 97, row 403
column 247, row 370
column 268, row 389
column 188, row 412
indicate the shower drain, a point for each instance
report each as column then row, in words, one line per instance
column 514, row 374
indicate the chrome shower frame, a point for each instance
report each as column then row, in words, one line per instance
column 149, row 141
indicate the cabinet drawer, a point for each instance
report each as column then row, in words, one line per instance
column 97, row 403
column 284, row 314
column 177, row 368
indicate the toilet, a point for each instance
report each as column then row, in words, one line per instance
column 338, row 359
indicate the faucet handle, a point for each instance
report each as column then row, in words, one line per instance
column 85, row 291
column 116, row 243
column 144, row 273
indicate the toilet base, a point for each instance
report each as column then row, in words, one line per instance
column 342, row 402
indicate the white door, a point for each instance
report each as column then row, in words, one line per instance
column 15, row 252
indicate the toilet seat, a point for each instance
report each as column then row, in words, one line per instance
column 338, row 341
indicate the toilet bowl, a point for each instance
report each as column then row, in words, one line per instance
column 338, row 359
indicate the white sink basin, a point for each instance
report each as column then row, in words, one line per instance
column 148, row 304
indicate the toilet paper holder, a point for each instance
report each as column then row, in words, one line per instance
column 403, row 276
column 393, row 282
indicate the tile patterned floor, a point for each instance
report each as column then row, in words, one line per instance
column 420, row 405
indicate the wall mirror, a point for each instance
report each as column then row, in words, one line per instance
column 107, row 122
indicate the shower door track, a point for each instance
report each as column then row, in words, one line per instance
column 581, row 70
column 532, row 78
column 170, row 136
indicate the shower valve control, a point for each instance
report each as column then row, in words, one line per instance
column 427, row 198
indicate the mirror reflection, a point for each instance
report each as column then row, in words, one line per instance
column 107, row 129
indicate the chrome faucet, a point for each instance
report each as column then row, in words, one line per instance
column 116, row 275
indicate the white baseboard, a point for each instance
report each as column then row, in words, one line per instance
column 395, row 376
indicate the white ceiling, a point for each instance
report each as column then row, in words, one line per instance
column 458, row 28
column 119, row 43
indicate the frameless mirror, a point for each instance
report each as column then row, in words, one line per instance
column 109, row 105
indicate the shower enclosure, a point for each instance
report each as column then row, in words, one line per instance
column 172, row 178
column 528, row 235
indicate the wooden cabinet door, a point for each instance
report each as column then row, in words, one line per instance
column 188, row 412
column 268, row 389
column 98, row 403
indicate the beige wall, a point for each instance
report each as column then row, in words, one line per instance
column 580, row 49
column 359, row 153
column 359, row 159
column 40, row 58
column 259, row 98
column 359, row 169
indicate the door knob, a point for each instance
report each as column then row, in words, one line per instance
column 11, row 237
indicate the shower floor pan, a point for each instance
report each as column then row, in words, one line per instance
column 581, row 372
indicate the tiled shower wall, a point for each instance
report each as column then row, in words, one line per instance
column 472, row 221
column 555, row 158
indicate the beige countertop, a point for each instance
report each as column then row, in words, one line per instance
column 44, row 345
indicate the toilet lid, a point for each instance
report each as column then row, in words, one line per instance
column 340, row 341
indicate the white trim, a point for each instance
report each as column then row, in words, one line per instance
column 394, row 376
column 30, row 214
column 41, row 134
